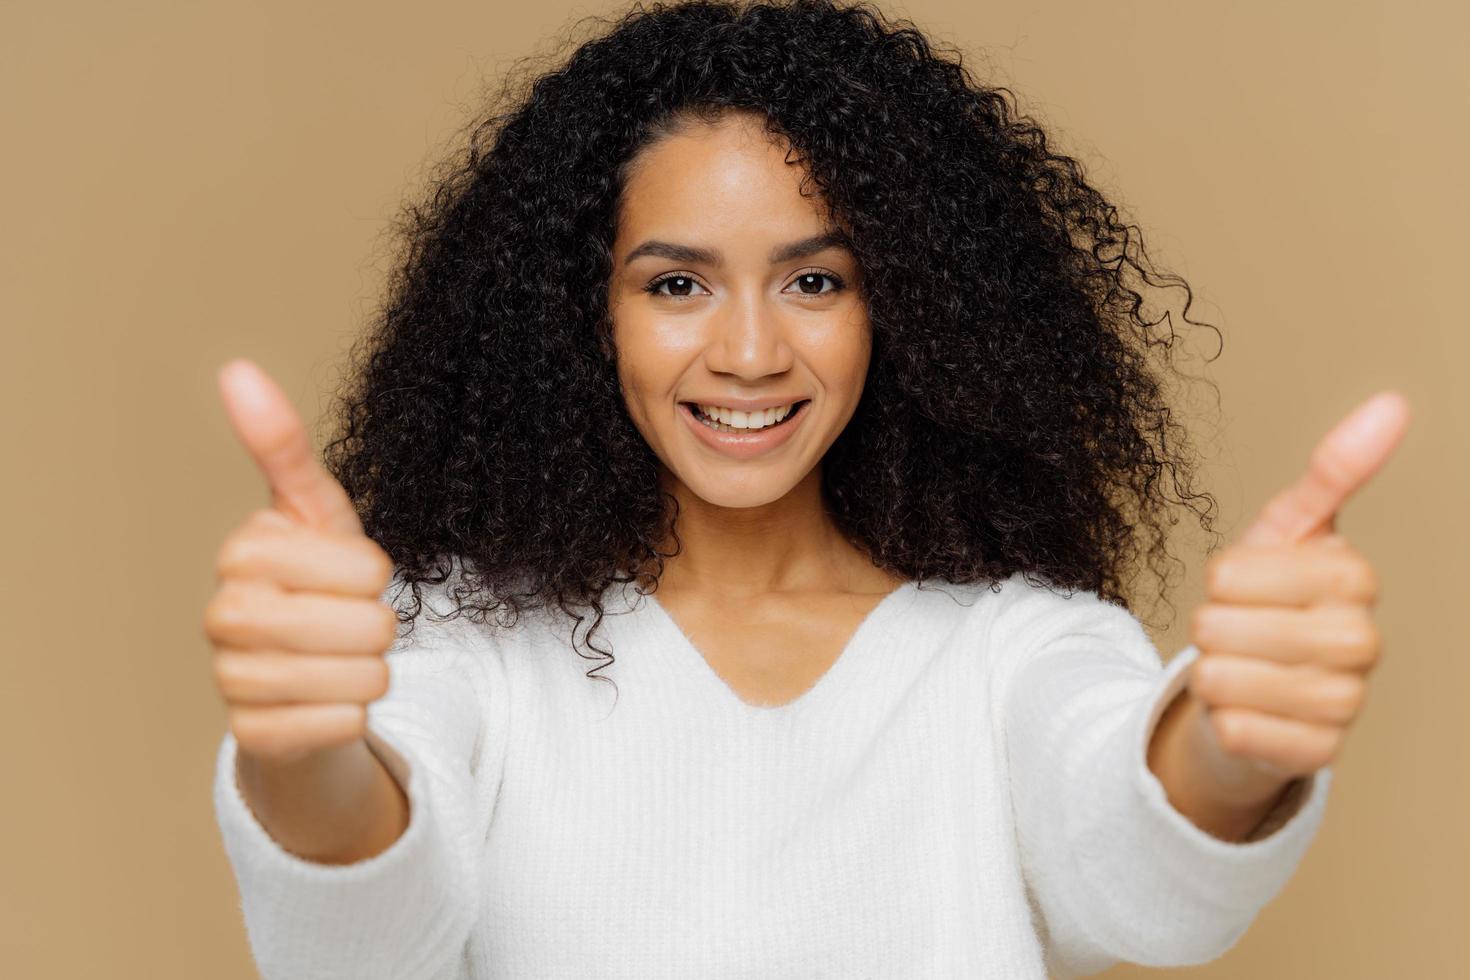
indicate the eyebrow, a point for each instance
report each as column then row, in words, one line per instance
column 709, row 256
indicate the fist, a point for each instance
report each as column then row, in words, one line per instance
column 296, row 620
column 1286, row 641
column 1286, row 635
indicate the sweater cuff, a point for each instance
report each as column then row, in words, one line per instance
column 1242, row 876
column 372, row 918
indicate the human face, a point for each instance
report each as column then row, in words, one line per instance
column 724, row 291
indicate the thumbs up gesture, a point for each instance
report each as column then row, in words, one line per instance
column 1286, row 636
column 297, row 621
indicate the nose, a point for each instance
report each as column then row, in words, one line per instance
column 749, row 340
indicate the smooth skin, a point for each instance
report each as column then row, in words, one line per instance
column 1287, row 641
column 766, row 587
column 299, row 632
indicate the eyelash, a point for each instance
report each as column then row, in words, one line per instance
column 837, row 284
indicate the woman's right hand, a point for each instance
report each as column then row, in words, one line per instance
column 297, row 622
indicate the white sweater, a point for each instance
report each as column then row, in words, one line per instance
column 963, row 794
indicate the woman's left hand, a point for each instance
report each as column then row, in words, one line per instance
column 1286, row 635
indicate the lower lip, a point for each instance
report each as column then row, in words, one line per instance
column 744, row 445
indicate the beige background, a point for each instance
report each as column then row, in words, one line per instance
column 183, row 183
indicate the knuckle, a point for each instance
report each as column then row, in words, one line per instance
column 1327, row 754
column 1204, row 679
column 1355, row 578
column 381, row 679
column 231, row 675
column 382, row 565
column 1366, row 646
column 1360, row 640
column 357, row 718
column 1343, row 698
column 389, row 625
column 268, row 678
column 256, row 731
column 1202, row 623
column 1368, row 582
column 235, row 554
column 225, row 613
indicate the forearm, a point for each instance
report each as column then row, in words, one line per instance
column 336, row 806
column 1223, row 795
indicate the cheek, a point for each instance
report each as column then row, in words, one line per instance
column 633, row 391
column 643, row 386
column 653, row 356
column 844, row 357
column 861, row 357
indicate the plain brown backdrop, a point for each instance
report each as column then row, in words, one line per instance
column 185, row 182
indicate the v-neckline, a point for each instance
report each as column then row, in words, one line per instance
column 838, row 674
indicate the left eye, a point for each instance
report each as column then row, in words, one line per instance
column 808, row 278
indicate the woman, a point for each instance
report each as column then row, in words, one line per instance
column 762, row 353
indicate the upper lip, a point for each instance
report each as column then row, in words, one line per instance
column 749, row 404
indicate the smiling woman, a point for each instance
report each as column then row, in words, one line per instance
column 752, row 205
column 770, row 316
column 770, row 341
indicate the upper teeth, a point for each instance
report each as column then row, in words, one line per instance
column 747, row 420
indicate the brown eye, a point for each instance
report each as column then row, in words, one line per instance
column 677, row 284
column 814, row 279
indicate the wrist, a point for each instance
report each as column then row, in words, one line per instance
column 1226, row 795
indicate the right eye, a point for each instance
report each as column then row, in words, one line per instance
column 678, row 280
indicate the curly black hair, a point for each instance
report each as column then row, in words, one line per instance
column 1010, row 421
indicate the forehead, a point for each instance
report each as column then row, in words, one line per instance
column 728, row 177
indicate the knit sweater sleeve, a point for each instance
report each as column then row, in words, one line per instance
column 407, row 912
column 1113, row 872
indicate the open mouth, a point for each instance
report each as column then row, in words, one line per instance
column 719, row 426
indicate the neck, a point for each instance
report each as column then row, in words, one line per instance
column 788, row 545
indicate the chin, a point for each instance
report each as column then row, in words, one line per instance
column 723, row 491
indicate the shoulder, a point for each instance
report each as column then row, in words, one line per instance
column 1033, row 616
column 516, row 651
column 1014, row 617
column 1020, row 597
